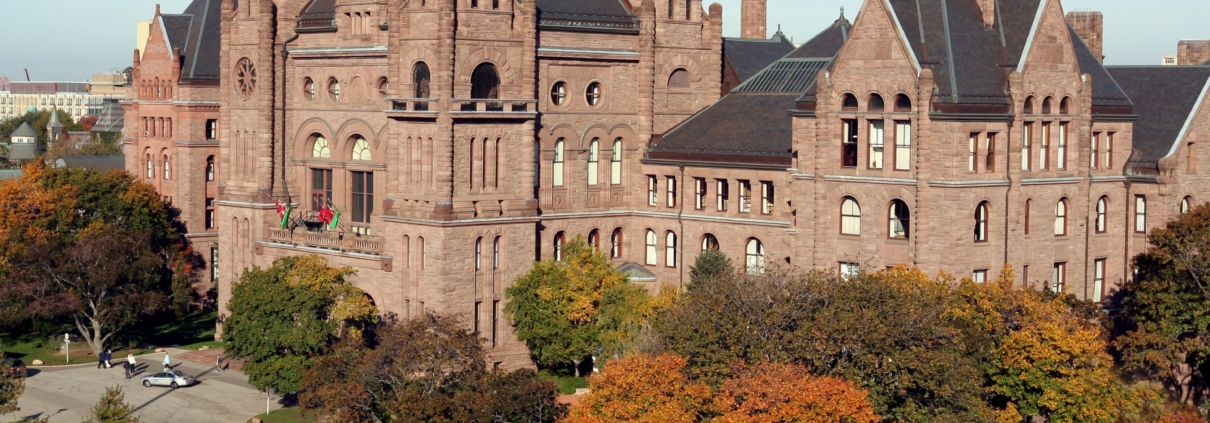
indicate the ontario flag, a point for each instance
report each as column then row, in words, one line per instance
column 283, row 213
column 329, row 216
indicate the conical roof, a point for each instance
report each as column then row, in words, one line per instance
column 54, row 119
column 25, row 131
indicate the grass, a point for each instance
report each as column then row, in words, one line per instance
column 193, row 331
column 198, row 345
column 286, row 415
column 567, row 382
column 80, row 353
column 196, row 328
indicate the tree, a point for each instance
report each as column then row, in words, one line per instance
column 709, row 264
column 643, row 388
column 1165, row 317
column 112, row 408
column 61, row 259
column 285, row 316
column 428, row 369
column 565, row 310
column 788, row 393
column 1048, row 360
column 12, row 385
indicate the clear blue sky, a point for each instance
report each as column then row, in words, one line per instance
column 81, row 37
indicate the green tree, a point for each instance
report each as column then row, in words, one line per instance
column 112, row 408
column 1165, row 318
column 284, row 316
column 427, row 369
column 38, row 121
column 93, row 250
column 12, row 385
column 709, row 264
column 565, row 310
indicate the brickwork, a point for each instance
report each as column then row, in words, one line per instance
column 754, row 19
column 1091, row 28
column 1192, row 52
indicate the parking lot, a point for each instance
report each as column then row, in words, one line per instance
column 68, row 394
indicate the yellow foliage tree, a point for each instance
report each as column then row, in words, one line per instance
column 788, row 393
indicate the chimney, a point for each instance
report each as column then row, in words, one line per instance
column 754, row 18
column 1090, row 26
column 1192, row 52
column 988, row 7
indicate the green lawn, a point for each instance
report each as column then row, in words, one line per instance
column 567, row 383
column 199, row 345
column 287, row 415
column 80, row 353
column 191, row 332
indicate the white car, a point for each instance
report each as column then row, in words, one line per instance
column 172, row 378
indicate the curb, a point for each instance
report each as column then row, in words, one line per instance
column 64, row 366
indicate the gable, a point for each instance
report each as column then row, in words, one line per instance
column 1050, row 50
column 874, row 49
column 157, row 44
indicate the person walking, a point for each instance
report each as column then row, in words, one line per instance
column 218, row 363
column 108, row 358
column 101, row 360
column 128, row 367
column 167, row 361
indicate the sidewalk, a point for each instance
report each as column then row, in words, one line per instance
column 207, row 357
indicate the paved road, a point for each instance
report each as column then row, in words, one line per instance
column 68, row 394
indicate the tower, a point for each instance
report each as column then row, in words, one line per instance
column 754, row 19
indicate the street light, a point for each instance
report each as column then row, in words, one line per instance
column 67, row 345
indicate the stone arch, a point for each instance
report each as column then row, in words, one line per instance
column 560, row 131
column 679, row 61
column 302, row 137
column 409, row 61
column 479, row 56
column 594, row 131
column 344, row 136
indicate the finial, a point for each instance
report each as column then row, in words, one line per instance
column 842, row 11
column 157, row 9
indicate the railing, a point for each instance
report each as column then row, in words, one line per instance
column 337, row 241
column 492, row 105
column 411, row 104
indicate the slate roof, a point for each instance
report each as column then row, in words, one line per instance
column 112, row 118
column 197, row 33
column 599, row 14
column 752, row 125
column 99, row 163
column 749, row 55
column 636, row 273
column 1163, row 97
column 24, row 131
column 1106, row 94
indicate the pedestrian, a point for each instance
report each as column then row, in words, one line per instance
column 218, row 363
column 128, row 367
column 101, row 360
column 167, row 362
column 108, row 358
column 130, row 359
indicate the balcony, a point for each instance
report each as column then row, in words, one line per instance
column 413, row 108
column 336, row 241
column 479, row 108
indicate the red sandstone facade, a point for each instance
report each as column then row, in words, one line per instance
column 463, row 139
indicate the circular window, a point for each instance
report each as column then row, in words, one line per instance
column 309, row 88
column 593, row 95
column 245, row 77
column 333, row 89
column 384, row 86
column 558, row 94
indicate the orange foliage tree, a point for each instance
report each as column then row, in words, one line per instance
column 643, row 389
column 788, row 393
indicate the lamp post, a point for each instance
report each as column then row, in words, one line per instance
column 67, row 345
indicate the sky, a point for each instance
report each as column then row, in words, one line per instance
column 85, row 38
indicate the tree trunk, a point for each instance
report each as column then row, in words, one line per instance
column 92, row 336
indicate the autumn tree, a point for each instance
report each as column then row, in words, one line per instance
column 1166, row 308
column 12, row 385
column 427, row 369
column 112, row 408
column 94, row 250
column 709, row 264
column 283, row 317
column 565, row 310
column 788, row 393
column 643, row 388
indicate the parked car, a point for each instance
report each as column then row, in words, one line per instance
column 14, row 366
column 172, row 378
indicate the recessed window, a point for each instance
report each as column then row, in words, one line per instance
column 594, row 158
column 1028, row 108
column 1047, row 105
column 903, row 103
column 559, row 241
column 653, row 195
column 1065, row 106
column 754, row 257
column 848, row 147
column 557, row 164
column 903, row 145
column 558, row 93
column 699, row 193
column 709, row 242
column 1098, row 279
column 651, row 248
column 979, row 276
column 670, row 249
column 485, row 82
column 615, row 163
column 384, row 87
column 420, row 80
column 850, row 217
column 1185, row 204
column 876, row 103
column 1140, row 214
column 678, row 79
column 320, row 148
column 722, row 186
column 1061, row 218
column 361, row 149
column 877, row 139
column 1028, row 207
column 849, row 103
column 1102, row 205
column 333, row 89
column 981, row 222
column 593, row 94
column 849, row 271
column 899, row 220
column 309, row 88
column 1059, row 278
column 594, row 239
column 210, row 169
column 615, row 243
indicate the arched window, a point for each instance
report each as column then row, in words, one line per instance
column 333, row 89
column 615, row 243
column 593, row 94
column 903, row 103
column 678, row 79
column 754, row 257
column 594, row 239
column 593, row 161
column 1102, row 205
column 320, row 149
column 1185, row 204
column 670, row 249
column 615, row 163
column 559, row 240
column 850, row 217
column 361, row 149
column 423, row 253
column 556, row 168
column 496, row 253
column 309, row 88
column 1065, row 106
column 420, row 80
column 485, row 82
column 558, row 93
column 709, row 242
column 1046, row 105
column 900, row 220
column 651, row 240
column 849, row 103
column 478, row 253
column 876, row 104
column 1029, row 105
column 150, row 168
column 167, row 169
column 210, row 168
column 981, row 222
column 1061, row 218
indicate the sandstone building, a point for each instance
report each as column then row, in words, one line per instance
column 462, row 139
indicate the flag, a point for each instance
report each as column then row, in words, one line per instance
column 335, row 217
column 285, row 217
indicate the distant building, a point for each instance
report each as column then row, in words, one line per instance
column 1192, row 52
column 3, row 83
column 109, row 85
column 24, row 145
column 1169, row 60
column 71, row 97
